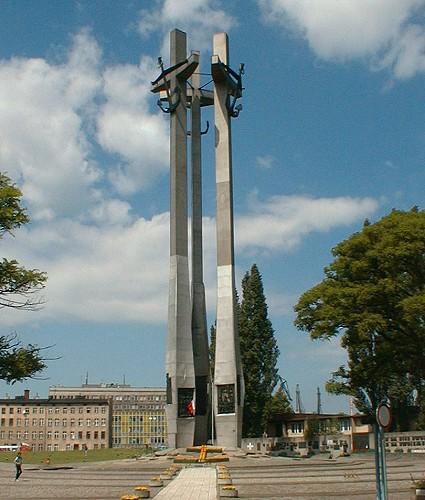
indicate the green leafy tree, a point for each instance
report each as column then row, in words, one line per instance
column 311, row 429
column 373, row 297
column 18, row 290
column 259, row 353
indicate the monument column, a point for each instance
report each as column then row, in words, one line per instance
column 171, row 85
column 199, row 316
column 228, row 376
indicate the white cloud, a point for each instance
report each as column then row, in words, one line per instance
column 97, row 273
column 200, row 18
column 265, row 162
column 383, row 31
column 281, row 222
column 52, row 124
column 126, row 126
column 118, row 269
column 43, row 142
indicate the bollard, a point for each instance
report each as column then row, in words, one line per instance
column 156, row 482
column 228, row 491
column 143, row 491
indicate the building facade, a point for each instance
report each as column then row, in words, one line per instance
column 305, row 433
column 138, row 413
column 55, row 425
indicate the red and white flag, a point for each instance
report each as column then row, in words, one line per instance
column 190, row 407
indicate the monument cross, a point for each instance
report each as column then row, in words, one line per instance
column 187, row 363
column 179, row 357
column 199, row 316
column 228, row 376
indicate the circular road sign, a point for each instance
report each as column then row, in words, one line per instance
column 383, row 415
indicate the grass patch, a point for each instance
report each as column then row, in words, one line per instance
column 74, row 456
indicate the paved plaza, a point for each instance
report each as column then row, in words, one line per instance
column 317, row 478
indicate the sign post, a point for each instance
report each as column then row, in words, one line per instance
column 383, row 423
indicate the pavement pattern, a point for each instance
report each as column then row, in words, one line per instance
column 256, row 478
column 195, row 483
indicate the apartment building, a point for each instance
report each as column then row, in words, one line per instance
column 138, row 413
column 55, row 425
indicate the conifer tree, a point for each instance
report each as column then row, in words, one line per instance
column 259, row 353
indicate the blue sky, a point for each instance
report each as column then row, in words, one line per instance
column 332, row 132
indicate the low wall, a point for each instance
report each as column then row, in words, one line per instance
column 405, row 442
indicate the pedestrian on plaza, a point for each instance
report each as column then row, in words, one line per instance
column 18, row 464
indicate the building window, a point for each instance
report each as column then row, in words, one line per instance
column 72, row 435
column 72, row 410
column 64, row 422
column 3, row 411
column 80, row 422
column 34, row 422
column 10, row 422
column 102, row 435
column 103, row 422
column 34, row 410
column 96, row 409
column 40, row 447
column 88, row 422
column 103, row 409
column 49, row 434
column 56, row 447
column 49, row 447
column 57, row 422
column 64, row 410
column 64, row 435
column 72, row 422
column 11, row 411
column 41, row 435
column 18, row 422
column 57, row 410
column 18, row 435
column 345, row 424
column 34, row 434
column 297, row 427
column 41, row 421
column 96, row 435
column 88, row 435
column 56, row 435
column 26, row 422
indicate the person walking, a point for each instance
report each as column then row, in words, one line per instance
column 18, row 465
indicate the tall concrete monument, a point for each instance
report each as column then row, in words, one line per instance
column 179, row 356
column 228, row 376
column 198, row 98
column 187, row 360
